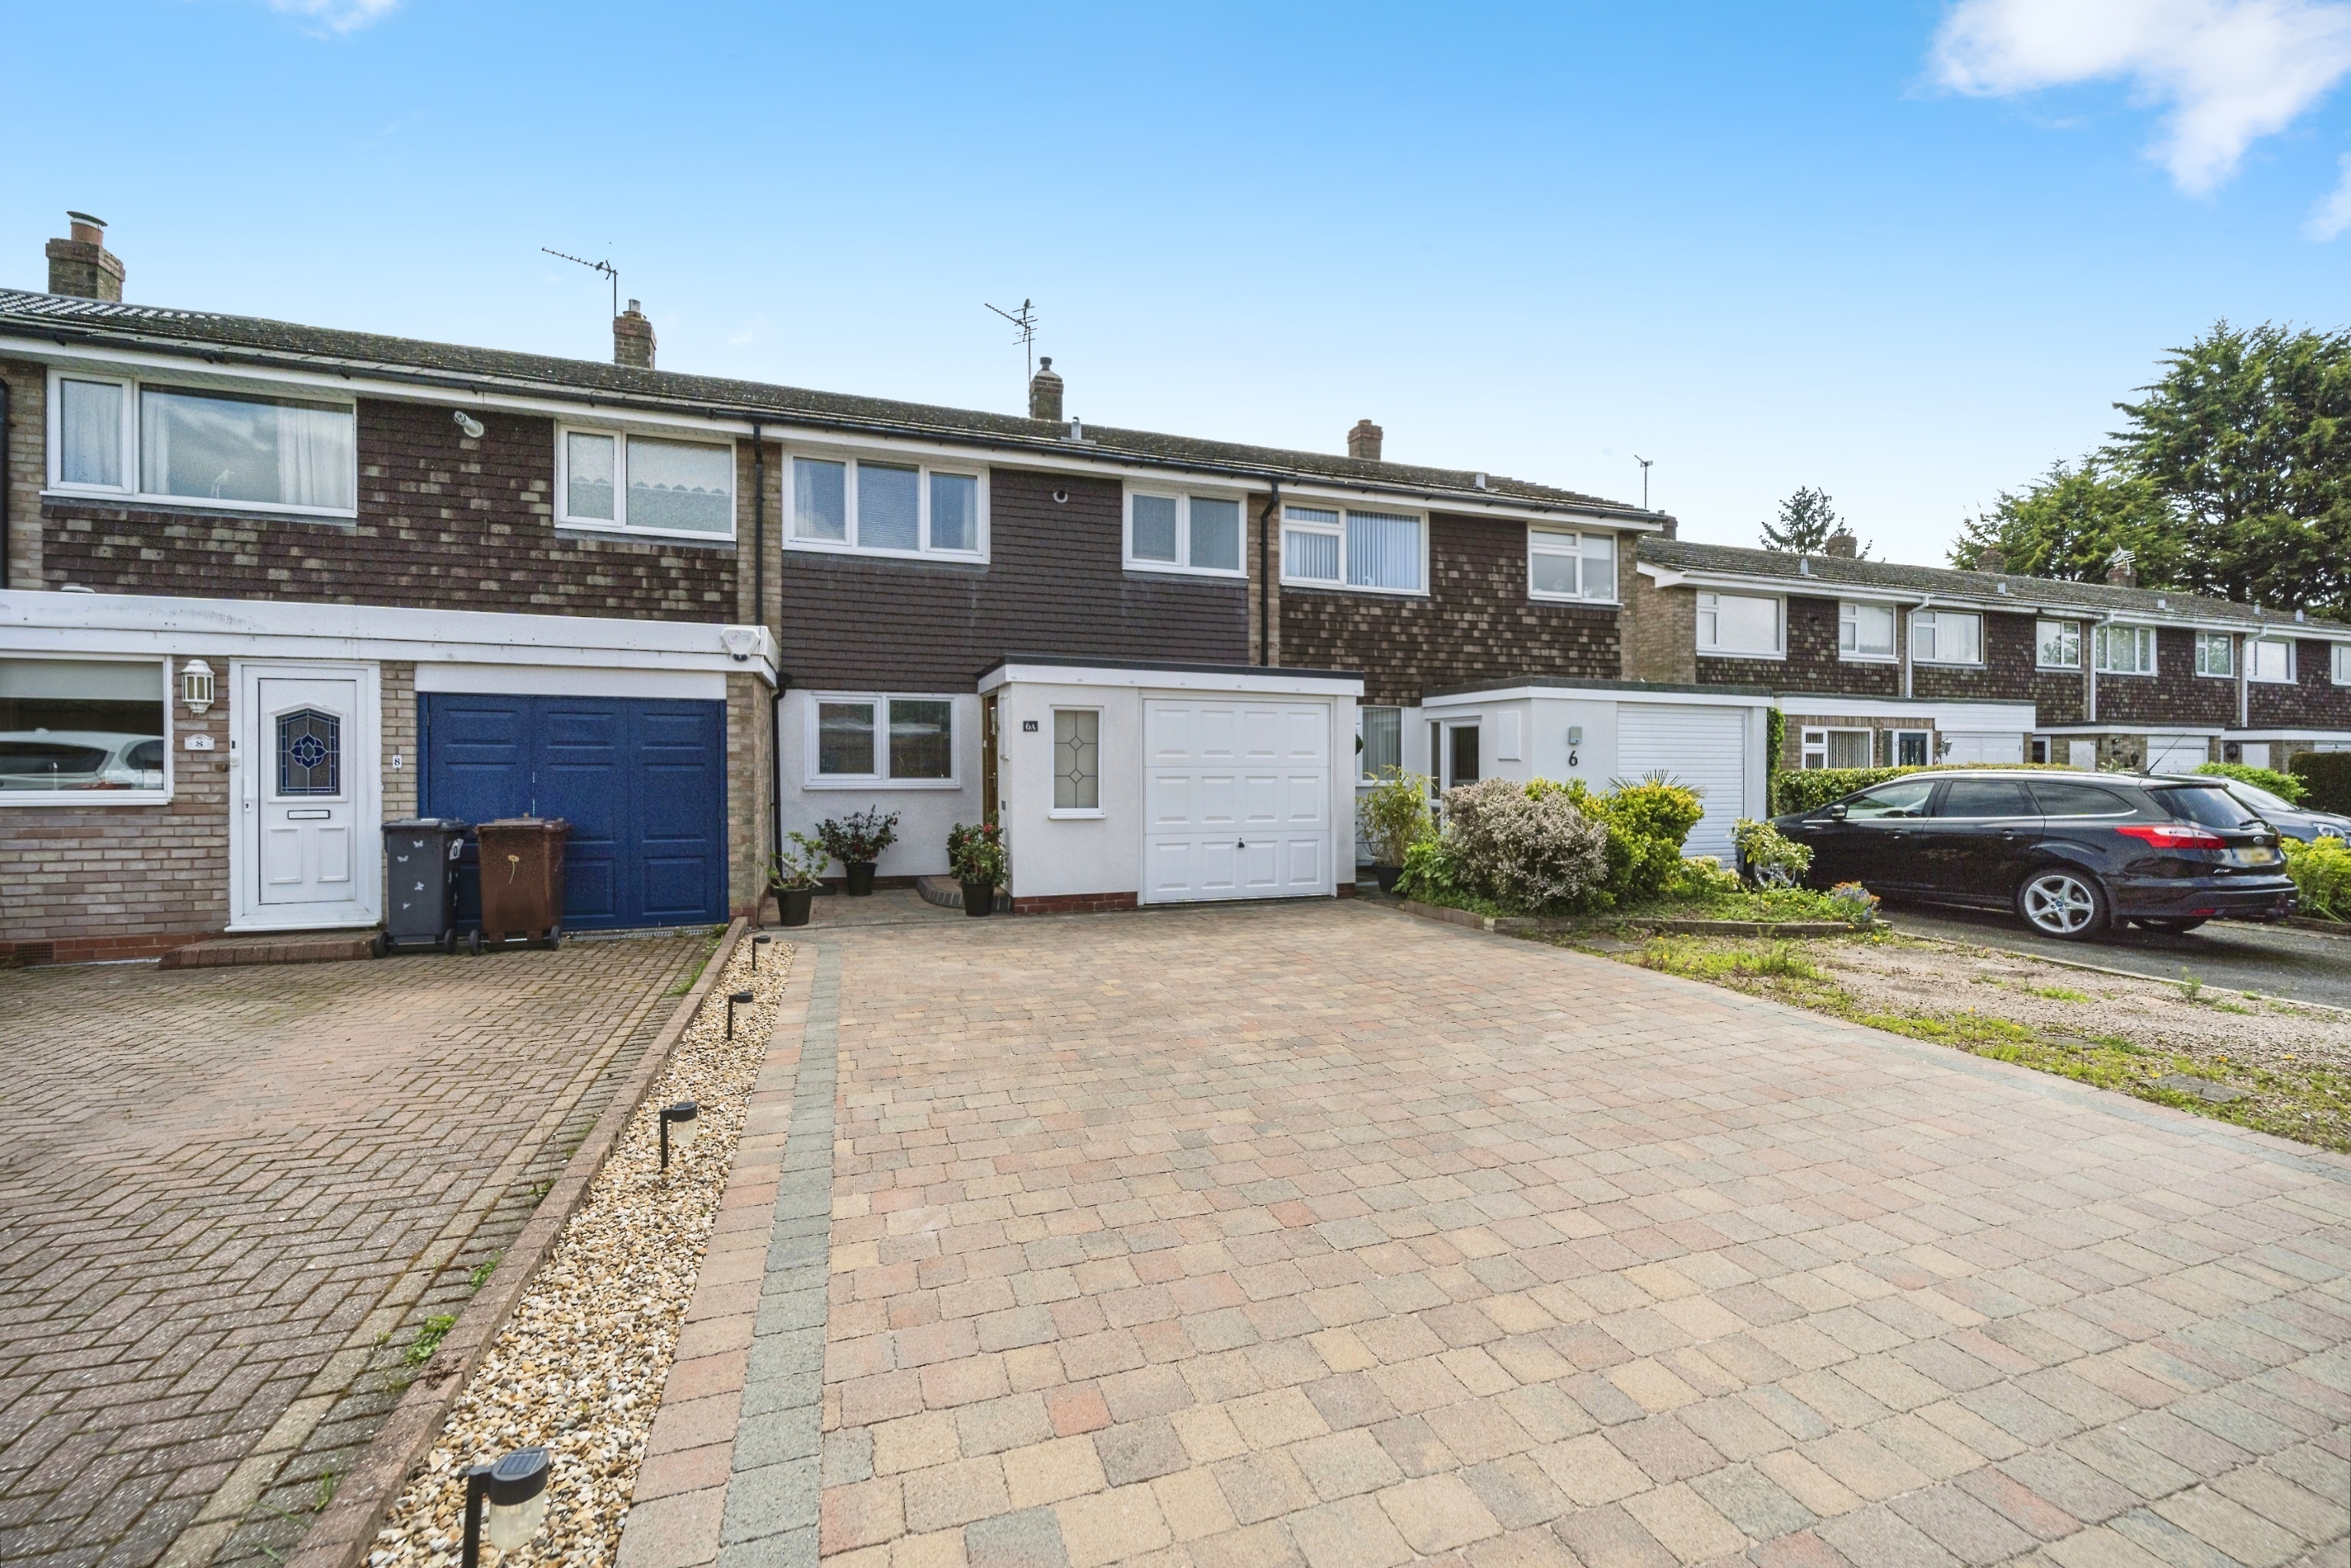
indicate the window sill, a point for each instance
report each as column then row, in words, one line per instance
column 121, row 501
column 1169, row 569
column 2120, row 675
column 1574, row 599
column 84, row 797
column 858, row 552
column 1354, row 588
column 1891, row 661
column 1734, row 654
column 871, row 783
column 1058, row 815
column 2253, row 680
column 573, row 526
column 2056, row 669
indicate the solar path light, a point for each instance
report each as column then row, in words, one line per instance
column 686, row 1117
column 738, row 999
column 757, row 943
column 506, row 1501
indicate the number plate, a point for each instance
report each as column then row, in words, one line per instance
column 2250, row 857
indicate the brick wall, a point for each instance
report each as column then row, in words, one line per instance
column 1664, row 632
column 750, row 787
column 398, row 755
column 445, row 520
column 26, row 471
column 1053, row 584
column 1476, row 625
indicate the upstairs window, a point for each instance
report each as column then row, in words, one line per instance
column 1324, row 547
column 2216, row 654
column 1946, row 637
column 1184, row 533
column 2057, row 645
column 1738, row 623
column 1564, row 566
column 642, row 485
column 2270, row 660
column 875, row 507
column 1866, row 631
column 2126, row 650
column 179, row 445
column 2343, row 664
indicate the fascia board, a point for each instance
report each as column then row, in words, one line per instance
column 1273, row 683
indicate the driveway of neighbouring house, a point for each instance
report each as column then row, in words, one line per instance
column 229, row 1198
column 1324, row 1235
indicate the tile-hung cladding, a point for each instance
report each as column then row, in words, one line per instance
column 445, row 520
column 1054, row 582
column 2313, row 702
column 1477, row 623
column 2174, row 695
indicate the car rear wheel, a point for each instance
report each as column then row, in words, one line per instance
column 2066, row 905
column 2174, row 927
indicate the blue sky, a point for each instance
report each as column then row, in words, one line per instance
column 1906, row 252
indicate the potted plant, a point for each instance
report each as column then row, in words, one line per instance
column 793, row 874
column 857, row 841
column 976, row 856
column 1395, row 816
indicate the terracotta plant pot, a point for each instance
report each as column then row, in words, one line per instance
column 792, row 906
column 861, row 879
column 1386, row 875
column 979, row 898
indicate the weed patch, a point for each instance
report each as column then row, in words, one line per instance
column 428, row 1338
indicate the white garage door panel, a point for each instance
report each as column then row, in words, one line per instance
column 1239, row 799
column 2176, row 753
column 1702, row 748
column 1998, row 750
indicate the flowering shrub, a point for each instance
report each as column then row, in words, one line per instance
column 1768, row 857
column 2322, row 873
column 860, row 837
column 1525, row 848
column 977, row 854
column 1854, row 904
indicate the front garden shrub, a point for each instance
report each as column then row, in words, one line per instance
column 2322, row 873
column 1647, row 822
column 1768, row 857
column 1854, row 904
column 1531, row 849
column 1701, row 879
column 2325, row 777
column 1393, row 815
column 2284, row 786
column 1431, row 876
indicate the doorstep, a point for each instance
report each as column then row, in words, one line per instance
column 947, row 893
column 271, row 947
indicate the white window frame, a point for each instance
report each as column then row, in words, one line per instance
column 1053, row 740
column 2253, row 662
column 1814, row 741
column 168, row 675
column 1848, row 614
column 813, row 779
column 1779, row 626
column 130, row 493
column 1569, row 543
column 2343, row 664
column 618, row 523
column 924, row 467
column 1363, row 775
column 2104, row 636
column 2226, row 643
column 1339, row 529
column 2066, row 629
column 1932, row 619
column 1182, row 565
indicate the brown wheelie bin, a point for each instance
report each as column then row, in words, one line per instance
column 522, row 880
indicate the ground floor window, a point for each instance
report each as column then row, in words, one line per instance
column 1380, row 735
column 1835, row 748
column 89, row 731
column 861, row 739
column 1077, row 760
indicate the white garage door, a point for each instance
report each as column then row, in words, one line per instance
column 1999, row 750
column 2177, row 753
column 1703, row 747
column 1236, row 800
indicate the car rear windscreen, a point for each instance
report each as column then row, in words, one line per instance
column 2213, row 807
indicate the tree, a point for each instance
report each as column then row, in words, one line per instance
column 1806, row 521
column 2069, row 523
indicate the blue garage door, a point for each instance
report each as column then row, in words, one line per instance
column 641, row 781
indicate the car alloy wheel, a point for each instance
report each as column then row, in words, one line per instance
column 2062, row 904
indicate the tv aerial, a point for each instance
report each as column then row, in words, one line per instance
column 606, row 267
column 1025, row 321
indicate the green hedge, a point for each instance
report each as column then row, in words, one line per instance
column 2327, row 780
column 1804, row 789
column 2284, row 786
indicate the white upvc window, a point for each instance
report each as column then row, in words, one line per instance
column 84, row 732
column 888, row 507
column 2125, row 650
column 126, row 439
column 617, row 481
column 2057, row 645
column 2270, row 660
column 1835, row 748
column 1170, row 531
column 1077, row 762
column 1738, row 625
column 1376, row 552
column 1865, row 631
column 1379, row 733
column 871, row 739
column 1946, row 637
column 1570, row 567
column 2343, row 664
column 2216, row 654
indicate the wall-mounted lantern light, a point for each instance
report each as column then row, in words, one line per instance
column 736, row 999
column 685, row 1117
column 512, row 1494
column 197, row 685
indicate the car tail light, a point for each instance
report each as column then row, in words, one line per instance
column 2174, row 836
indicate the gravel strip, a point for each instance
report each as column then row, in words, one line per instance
column 578, row 1368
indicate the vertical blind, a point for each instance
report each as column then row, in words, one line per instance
column 1383, row 550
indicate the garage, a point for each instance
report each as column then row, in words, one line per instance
column 2177, row 753
column 1703, row 747
column 641, row 780
column 1982, row 750
column 1236, row 800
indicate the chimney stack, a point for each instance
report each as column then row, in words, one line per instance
column 1363, row 441
column 81, row 266
column 1045, row 392
column 632, row 339
column 1839, row 544
column 1991, row 557
column 2122, row 568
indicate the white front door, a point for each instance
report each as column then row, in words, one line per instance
column 1704, row 747
column 1236, row 800
column 306, row 796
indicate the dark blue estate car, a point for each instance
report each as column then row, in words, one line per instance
column 2071, row 855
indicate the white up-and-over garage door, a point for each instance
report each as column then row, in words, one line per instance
column 1702, row 748
column 1236, row 800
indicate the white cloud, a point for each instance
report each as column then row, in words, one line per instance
column 2333, row 216
column 2230, row 72
column 336, row 15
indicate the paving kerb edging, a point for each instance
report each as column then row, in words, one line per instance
column 1537, row 925
column 343, row 1535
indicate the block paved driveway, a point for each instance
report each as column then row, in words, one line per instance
column 229, row 1197
column 1322, row 1234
